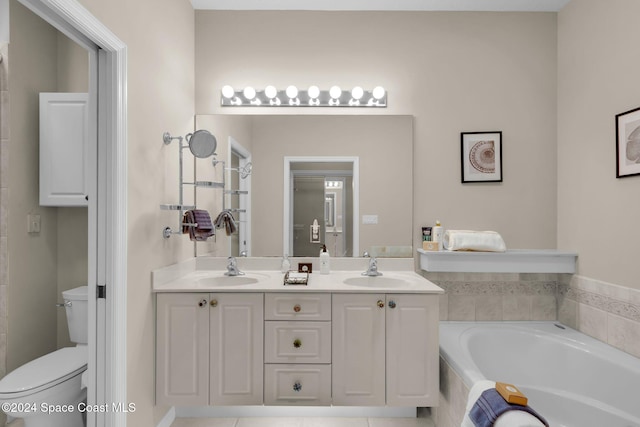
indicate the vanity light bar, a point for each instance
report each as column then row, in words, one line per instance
column 312, row 97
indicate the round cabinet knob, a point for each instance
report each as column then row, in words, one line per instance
column 297, row 343
column 392, row 304
column 297, row 386
column 297, row 308
column 202, row 303
column 380, row 303
column 214, row 303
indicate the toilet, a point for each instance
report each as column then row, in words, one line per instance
column 46, row 391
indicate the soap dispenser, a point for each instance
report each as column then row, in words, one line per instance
column 286, row 264
column 324, row 260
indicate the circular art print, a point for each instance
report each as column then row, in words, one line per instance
column 482, row 156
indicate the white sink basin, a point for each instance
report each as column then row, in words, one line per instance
column 247, row 279
column 374, row 281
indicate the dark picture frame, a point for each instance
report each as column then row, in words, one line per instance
column 628, row 143
column 481, row 156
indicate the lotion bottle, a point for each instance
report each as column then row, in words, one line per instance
column 438, row 234
column 324, row 260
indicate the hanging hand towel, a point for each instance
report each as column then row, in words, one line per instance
column 197, row 223
column 225, row 219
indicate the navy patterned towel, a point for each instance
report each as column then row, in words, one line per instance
column 490, row 405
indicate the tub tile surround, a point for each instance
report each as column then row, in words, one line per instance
column 607, row 312
column 453, row 398
column 497, row 296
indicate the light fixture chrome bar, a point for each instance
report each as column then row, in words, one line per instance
column 335, row 97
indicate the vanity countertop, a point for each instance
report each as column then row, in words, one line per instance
column 193, row 276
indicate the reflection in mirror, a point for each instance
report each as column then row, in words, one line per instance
column 321, row 193
column 384, row 146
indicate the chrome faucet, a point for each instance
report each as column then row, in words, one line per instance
column 232, row 268
column 373, row 268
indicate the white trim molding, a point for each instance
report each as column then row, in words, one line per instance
column 109, row 314
column 287, row 214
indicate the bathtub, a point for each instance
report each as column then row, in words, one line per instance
column 571, row 379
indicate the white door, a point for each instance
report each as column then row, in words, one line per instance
column 412, row 350
column 236, row 349
column 182, row 349
column 358, row 361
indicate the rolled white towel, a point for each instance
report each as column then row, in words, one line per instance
column 508, row 419
column 466, row 240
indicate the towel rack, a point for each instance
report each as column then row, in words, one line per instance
column 180, row 206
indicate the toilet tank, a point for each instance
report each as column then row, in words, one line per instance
column 77, row 314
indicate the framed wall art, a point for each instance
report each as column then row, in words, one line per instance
column 628, row 143
column 481, row 156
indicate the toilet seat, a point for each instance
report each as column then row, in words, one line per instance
column 44, row 372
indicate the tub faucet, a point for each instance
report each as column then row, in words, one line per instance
column 232, row 268
column 373, row 268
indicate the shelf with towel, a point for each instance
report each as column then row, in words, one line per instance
column 511, row 261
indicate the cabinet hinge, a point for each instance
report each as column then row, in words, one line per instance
column 101, row 291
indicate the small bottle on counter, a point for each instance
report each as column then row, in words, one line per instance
column 438, row 233
column 286, row 264
column 324, row 260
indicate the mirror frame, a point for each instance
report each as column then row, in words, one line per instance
column 287, row 240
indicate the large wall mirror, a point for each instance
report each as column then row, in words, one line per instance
column 352, row 174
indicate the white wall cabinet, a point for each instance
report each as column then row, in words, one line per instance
column 209, row 349
column 64, row 149
column 385, row 349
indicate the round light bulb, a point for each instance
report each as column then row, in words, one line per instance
column 313, row 92
column 357, row 92
column 335, row 92
column 271, row 92
column 378, row 92
column 249, row 92
column 292, row 92
column 227, row 91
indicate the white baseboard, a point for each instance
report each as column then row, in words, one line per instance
column 168, row 418
column 293, row 411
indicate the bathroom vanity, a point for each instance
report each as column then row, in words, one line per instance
column 343, row 339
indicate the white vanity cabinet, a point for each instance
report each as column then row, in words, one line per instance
column 209, row 349
column 385, row 349
column 297, row 349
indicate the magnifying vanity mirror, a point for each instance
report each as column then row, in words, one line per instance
column 352, row 174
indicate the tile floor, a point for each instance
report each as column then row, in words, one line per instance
column 303, row 422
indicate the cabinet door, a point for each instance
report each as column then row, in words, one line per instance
column 412, row 350
column 64, row 142
column 358, row 361
column 182, row 349
column 236, row 349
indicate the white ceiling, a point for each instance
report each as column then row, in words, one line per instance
column 391, row 5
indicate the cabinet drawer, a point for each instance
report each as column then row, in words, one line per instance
column 297, row 342
column 297, row 385
column 287, row 306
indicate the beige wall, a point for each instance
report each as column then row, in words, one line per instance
column 453, row 72
column 597, row 79
column 160, row 90
column 32, row 260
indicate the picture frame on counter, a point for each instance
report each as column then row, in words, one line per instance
column 628, row 143
column 481, row 156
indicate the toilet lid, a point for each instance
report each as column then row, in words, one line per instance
column 45, row 372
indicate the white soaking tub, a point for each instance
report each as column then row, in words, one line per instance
column 571, row 379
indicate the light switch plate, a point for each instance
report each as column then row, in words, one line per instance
column 369, row 219
column 33, row 223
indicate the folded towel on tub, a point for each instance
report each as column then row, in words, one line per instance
column 197, row 223
column 498, row 415
column 467, row 240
